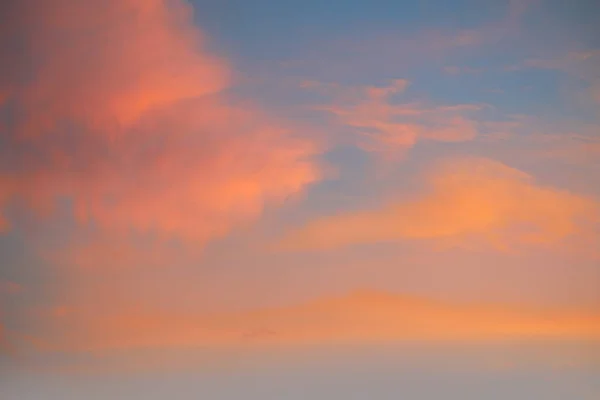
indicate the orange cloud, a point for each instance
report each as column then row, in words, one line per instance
column 389, row 128
column 121, row 110
column 473, row 198
column 359, row 317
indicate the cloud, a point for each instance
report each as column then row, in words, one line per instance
column 119, row 106
column 357, row 317
column 107, row 64
column 466, row 199
column 389, row 128
column 118, row 109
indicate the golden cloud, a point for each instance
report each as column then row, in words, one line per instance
column 465, row 199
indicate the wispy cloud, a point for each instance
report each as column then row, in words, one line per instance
column 388, row 127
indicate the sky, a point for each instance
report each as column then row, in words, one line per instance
column 287, row 200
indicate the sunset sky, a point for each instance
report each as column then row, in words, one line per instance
column 229, row 199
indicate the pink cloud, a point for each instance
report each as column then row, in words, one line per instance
column 106, row 64
column 123, row 113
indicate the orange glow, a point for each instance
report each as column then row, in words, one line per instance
column 163, row 191
column 467, row 198
column 360, row 317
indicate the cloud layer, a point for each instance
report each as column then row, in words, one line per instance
column 358, row 317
